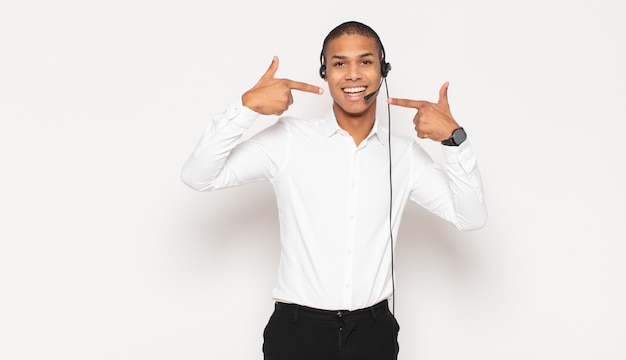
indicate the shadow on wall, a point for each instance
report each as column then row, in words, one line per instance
column 237, row 224
column 429, row 248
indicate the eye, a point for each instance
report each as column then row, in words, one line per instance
column 338, row 64
column 367, row 62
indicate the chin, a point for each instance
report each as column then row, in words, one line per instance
column 353, row 109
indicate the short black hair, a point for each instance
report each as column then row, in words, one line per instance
column 352, row 28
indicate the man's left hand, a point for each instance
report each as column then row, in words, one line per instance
column 433, row 120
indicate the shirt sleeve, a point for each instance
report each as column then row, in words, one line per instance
column 220, row 159
column 454, row 190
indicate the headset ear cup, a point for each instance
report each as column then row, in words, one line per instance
column 384, row 68
column 323, row 71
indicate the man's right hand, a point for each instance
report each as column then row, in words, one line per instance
column 271, row 96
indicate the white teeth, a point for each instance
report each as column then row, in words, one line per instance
column 354, row 89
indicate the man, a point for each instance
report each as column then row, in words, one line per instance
column 341, row 183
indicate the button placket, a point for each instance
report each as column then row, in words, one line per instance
column 351, row 229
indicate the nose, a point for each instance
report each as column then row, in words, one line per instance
column 353, row 73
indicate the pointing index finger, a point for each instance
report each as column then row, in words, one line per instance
column 416, row 104
column 301, row 86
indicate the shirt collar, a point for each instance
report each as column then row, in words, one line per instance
column 331, row 127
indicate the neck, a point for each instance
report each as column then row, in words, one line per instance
column 357, row 125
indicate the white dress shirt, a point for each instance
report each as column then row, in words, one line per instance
column 333, row 198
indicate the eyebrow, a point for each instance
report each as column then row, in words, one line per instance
column 342, row 57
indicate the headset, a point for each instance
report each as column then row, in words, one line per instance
column 385, row 67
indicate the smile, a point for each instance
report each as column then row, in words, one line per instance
column 354, row 90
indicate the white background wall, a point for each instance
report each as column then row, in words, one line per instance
column 105, row 254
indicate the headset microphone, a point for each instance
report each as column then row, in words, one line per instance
column 384, row 70
column 369, row 96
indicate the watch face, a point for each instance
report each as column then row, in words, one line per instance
column 459, row 136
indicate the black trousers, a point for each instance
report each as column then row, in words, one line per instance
column 297, row 332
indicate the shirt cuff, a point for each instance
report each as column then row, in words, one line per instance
column 240, row 115
column 462, row 155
